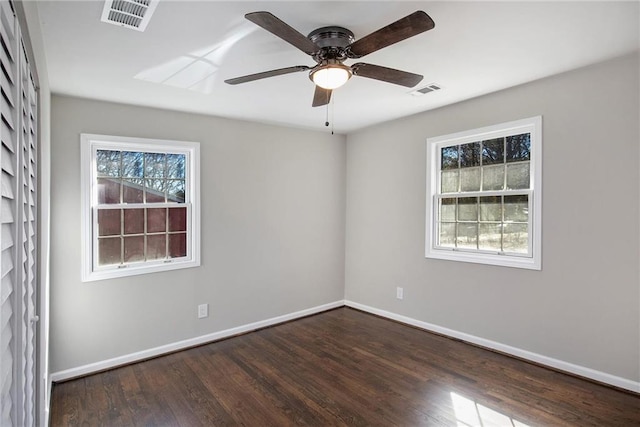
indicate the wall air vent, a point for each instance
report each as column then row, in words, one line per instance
column 134, row 14
column 431, row 87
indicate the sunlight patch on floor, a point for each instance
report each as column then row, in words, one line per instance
column 471, row 414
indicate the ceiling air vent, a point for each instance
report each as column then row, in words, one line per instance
column 134, row 14
column 432, row 87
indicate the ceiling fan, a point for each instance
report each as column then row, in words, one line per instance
column 331, row 46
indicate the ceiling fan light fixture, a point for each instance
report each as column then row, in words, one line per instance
column 330, row 76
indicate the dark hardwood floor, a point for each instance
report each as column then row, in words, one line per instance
column 341, row 367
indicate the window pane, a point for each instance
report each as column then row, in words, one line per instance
column 132, row 191
column 447, row 235
column 518, row 147
column 109, row 222
column 108, row 190
column 109, row 251
column 468, row 209
column 177, row 245
column 491, row 209
column 467, row 236
column 493, row 151
column 133, row 221
column 155, row 190
column 516, row 238
column 449, row 181
column 493, row 178
column 156, row 246
column 175, row 165
column 484, row 188
column 175, row 190
column 108, row 163
column 156, row 220
column 178, row 219
column 131, row 183
column 132, row 164
column 449, row 157
column 448, row 209
column 134, row 248
column 518, row 176
column 154, row 165
column 470, row 179
column 470, row 155
column 516, row 208
column 490, row 237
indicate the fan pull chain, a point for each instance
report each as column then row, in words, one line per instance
column 333, row 110
column 326, row 120
column 330, row 104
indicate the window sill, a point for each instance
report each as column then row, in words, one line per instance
column 134, row 270
column 485, row 258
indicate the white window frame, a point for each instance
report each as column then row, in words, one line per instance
column 90, row 143
column 532, row 260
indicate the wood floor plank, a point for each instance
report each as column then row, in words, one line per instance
column 149, row 409
column 337, row 368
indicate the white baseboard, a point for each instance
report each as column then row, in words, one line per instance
column 524, row 354
column 157, row 351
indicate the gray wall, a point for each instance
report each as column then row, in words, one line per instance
column 273, row 203
column 273, row 208
column 583, row 307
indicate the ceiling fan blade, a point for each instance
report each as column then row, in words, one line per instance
column 281, row 29
column 389, row 75
column 321, row 97
column 265, row 74
column 409, row 26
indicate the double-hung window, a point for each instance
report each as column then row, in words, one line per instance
column 484, row 201
column 140, row 206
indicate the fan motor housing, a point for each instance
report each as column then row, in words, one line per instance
column 331, row 37
column 332, row 41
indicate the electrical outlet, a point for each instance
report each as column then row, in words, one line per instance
column 203, row 311
column 399, row 293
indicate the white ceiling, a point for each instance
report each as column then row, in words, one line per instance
column 475, row 48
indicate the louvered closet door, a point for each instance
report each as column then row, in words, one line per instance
column 8, row 180
column 18, row 106
column 27, row 186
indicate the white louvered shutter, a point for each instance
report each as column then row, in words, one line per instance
column 9, row 135
column 18, row 296
column 27, row 186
